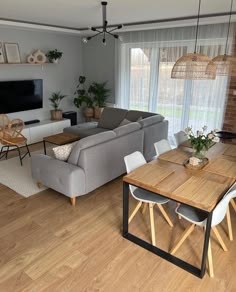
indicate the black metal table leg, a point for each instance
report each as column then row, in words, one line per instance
column 125, row 208
column 206, row 244
column 44, row 147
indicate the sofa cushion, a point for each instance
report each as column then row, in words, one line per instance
column 89, row 142
column 111, row 117
column 133, row 115
column 126, row 129
column 84, row 132
column 151, row 120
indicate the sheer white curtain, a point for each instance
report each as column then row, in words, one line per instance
column 144, row 63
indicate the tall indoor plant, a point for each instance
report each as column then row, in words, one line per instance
column 100, row 94
column 56, row 98
column 83, row 98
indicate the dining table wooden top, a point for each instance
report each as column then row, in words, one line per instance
column 202, row 188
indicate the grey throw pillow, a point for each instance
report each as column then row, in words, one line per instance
column 124, row 122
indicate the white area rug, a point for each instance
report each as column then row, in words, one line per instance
column 17, row 177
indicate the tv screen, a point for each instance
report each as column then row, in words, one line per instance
column 22, row 95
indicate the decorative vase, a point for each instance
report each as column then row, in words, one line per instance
column 55, row 61
column 97, row 112
column 56, row 115
column 88, row 113
column 200, row 154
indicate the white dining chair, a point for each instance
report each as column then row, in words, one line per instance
column 180, row 137
column 162, row 146
column 132, row 162
column 196, row 217
column 229, row 224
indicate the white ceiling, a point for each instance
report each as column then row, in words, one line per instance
column 87, row 13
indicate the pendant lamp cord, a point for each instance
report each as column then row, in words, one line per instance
column 199, row 6
column 230, row 14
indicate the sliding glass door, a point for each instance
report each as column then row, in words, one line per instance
column 147, row 86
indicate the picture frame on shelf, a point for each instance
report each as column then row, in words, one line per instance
column 12, row 53
column 2, row 60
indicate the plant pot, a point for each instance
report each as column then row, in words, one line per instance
column 88, row 113
column 55, row 61
column 56, row 115
column 98, row 112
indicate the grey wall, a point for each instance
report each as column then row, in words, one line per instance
column 62, row 76
column 99, row 62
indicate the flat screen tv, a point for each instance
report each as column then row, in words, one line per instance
column 21, row 95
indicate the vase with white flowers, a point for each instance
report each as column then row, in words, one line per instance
column 201, row 141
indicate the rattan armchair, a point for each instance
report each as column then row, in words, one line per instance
column 11, row 137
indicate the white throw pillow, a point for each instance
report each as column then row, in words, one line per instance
column 63, row 152
column 125, row 122
column 139, row 119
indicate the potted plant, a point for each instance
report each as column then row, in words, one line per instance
column 56, row 98
column 100, row 94
column 83, row 98
column 54, row 55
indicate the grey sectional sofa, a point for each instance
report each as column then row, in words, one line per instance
column 98, row 157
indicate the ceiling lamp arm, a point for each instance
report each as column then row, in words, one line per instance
column 89, row 38
column 198, row 17
column 227, row 38
column 117, row 27
column 95, row 29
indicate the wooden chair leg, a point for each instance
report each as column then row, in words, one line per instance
column 210, row 262
column 229, row 224
column 233, row 204
column 217, row 234
column 179, row 215
column 144, row 208
column 134, row 212
column 73, row 201
column 152, row 224
column 39, row 184
column 163, row 212
column 186, row 233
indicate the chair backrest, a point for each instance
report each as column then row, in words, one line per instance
column 133, row 161
column 16, row 127
column 162, row 146
column 180, row 137
column 4, row 124
column 221, row 208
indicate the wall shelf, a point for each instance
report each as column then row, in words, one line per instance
column 27, row 64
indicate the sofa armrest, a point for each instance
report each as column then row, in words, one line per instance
column 151, row 120
column 61, row 176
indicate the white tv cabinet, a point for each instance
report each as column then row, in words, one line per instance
column 35, row 132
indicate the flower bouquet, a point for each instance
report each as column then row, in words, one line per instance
column 200, row 142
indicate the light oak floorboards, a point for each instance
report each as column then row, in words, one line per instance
column 48, row 245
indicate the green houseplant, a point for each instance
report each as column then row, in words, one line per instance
column 100, row 94
column 54, row 55
column 83, row 98
column 55, row 99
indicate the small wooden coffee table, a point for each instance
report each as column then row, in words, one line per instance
column 59, row 139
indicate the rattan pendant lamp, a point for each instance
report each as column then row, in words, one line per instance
column 193, row 65
column 225, row 64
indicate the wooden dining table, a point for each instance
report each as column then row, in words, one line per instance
column 201, row 189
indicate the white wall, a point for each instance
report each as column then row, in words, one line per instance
column 62, row 77
column 99, row 63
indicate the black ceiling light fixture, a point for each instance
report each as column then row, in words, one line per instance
column 104, row 30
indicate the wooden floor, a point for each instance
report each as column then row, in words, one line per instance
column 47, row 245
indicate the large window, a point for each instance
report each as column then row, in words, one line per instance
column 147, row 85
